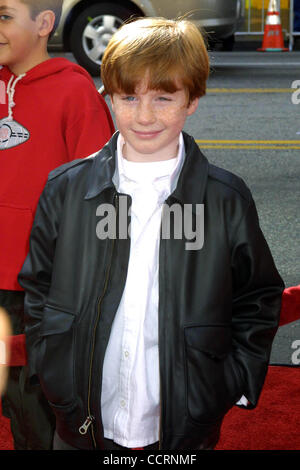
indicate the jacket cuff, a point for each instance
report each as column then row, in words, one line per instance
column 17, row 350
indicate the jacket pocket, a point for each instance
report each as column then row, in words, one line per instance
column 213, row 381
column 55, row 368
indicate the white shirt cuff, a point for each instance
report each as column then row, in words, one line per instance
column 243, row 401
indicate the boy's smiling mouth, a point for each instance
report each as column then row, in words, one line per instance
column 146, row 133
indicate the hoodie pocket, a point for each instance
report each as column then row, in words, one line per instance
column 213, row 382
column 56, row 366
column 16, row 223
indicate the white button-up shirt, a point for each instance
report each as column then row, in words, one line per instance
column 130, row 400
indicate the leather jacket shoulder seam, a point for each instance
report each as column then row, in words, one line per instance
column 67, row 166
column 230, row 180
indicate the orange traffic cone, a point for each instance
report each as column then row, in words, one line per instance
column 273, row 37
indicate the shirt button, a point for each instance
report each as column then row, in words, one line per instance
column 122, row 403
column 126, row 353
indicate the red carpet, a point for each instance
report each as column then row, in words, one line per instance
column 273, row 425
column 5, row 435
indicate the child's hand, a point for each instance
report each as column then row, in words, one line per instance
column 5, row 331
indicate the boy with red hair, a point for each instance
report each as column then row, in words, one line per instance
column 141, row 334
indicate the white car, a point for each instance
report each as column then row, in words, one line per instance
column 86, row 26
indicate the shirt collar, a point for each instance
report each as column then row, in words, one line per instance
column 120, row 171
column 191, row 179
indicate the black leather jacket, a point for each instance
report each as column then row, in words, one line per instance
column 218, row 306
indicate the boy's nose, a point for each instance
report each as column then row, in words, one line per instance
column 145, row 114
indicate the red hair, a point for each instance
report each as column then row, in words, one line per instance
column 171, row 53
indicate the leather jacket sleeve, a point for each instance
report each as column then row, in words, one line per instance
column 35, row 276
column 257, row 289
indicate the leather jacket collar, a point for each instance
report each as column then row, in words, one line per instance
column 188, row 189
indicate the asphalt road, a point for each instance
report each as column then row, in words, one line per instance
column 248, row 124
column 250, row 104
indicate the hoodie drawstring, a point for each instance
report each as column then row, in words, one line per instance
column 10, row 93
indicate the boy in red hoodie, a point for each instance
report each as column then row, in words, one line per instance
column 50, row 113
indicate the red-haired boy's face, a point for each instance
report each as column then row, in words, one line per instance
column 150, row 122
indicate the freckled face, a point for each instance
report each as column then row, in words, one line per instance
column 150, row 122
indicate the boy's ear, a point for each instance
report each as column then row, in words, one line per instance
column 193, row 106
column 45, row 21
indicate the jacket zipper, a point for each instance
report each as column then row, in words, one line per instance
column 83, row 429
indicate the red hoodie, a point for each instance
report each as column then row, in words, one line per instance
column 48, row 117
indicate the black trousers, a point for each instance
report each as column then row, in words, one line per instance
column 31, row 418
